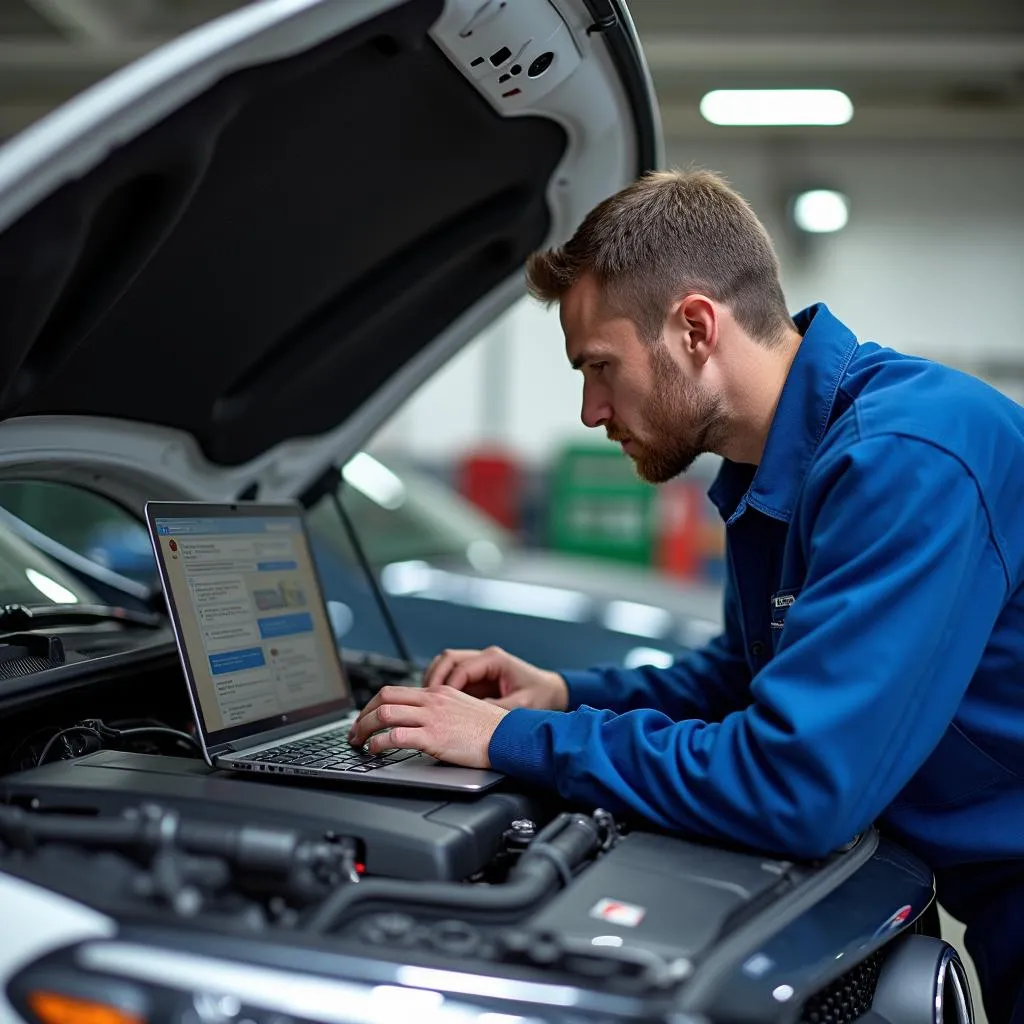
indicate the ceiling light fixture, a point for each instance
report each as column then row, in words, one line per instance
column 374, row 480
column 776, row 107
column 821, row 211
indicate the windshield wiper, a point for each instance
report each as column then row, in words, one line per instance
column 21, row 618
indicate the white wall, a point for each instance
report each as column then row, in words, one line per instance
column 932, row 262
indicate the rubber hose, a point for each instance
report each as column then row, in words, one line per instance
column 573, row 837
column 18, row 828
column 249, row 847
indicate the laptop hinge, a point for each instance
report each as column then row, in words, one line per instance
column 280, row 734
column 225, row 748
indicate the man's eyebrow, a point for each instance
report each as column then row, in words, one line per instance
column 585, row 357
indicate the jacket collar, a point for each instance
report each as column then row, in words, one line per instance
column 803, row 414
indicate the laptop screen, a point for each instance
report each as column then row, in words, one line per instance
column 255, row 636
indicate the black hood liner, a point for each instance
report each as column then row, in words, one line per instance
column 256, row 265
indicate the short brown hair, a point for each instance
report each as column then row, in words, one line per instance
column 670, row 233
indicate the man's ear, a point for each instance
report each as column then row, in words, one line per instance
column 696, row 326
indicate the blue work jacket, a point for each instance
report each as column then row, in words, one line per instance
column 871, row 667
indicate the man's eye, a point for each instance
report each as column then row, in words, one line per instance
column 598, row 367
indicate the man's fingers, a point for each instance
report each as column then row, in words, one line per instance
column 388, row 695
column 440, row 668
column 428, row 675
column 400, row 736
column 385, row 717
column 485, row 667
column 437, row 670
column 368, row 708
column 364, row 725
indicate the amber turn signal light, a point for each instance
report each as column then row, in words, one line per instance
column 55, row 1008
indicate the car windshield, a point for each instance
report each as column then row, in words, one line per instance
column 401, row 514
column 28, row 577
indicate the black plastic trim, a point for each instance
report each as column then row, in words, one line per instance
column 156, row 653
column 610, row 21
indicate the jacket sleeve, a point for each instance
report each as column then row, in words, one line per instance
column 904, row 584
column 706, row 683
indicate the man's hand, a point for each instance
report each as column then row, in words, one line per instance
column 498, row 677
column 444, row 723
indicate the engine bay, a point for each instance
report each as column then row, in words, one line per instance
column 524, row 906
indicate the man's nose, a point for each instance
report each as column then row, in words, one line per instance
column 596, row 409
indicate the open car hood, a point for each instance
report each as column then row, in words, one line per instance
column 223, row 267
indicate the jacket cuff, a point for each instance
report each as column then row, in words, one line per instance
column 586, row 686
column 517, row 749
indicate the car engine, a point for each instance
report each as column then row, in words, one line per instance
column 153, row 888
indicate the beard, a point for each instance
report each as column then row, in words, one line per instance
column 682, row 420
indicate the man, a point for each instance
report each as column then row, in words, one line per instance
column 872, row 661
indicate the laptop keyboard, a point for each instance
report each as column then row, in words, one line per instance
column 330, row 750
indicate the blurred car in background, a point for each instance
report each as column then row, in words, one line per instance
column 452, row 576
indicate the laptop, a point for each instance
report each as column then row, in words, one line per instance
column 265, row 678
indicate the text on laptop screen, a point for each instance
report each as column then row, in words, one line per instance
column 253, row 624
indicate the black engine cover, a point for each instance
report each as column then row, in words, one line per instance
column 662, row 894
column 426, row 837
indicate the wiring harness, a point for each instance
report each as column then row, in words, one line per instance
column 98, row 736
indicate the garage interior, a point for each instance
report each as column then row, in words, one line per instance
column 920, row 211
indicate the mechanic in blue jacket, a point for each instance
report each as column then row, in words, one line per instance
column 872, row 661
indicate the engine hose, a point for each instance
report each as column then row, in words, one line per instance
column 23, row 830
column 246, row 846
column 570, row 838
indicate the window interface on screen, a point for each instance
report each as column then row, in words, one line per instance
column 253, row 623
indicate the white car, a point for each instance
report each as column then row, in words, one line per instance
column 220, row 271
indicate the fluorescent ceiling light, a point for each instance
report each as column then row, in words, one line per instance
column 698, row 632
column 403, row 578
column 528, row 599
column 820, row 211
column 374, row 480
column 50, row 588
column 639, row 619
column 776, row 106
column 418, row 579
column 640, row 656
